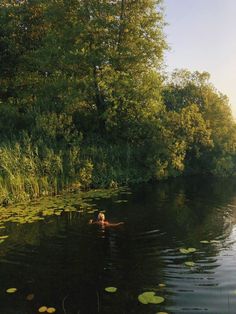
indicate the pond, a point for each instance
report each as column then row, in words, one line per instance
column 178, row 242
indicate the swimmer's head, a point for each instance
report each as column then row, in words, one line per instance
column 101, row 217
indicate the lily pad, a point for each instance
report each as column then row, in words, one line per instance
column 150, row 297
column 4, row 237
column 192, row 249
column 11, row 290
column 156, row 300
column 187, row 251
column 190, row 264
column 145, row 297
column 51, row 310
column 183, row 251
column 42, row 309
column 111, row 289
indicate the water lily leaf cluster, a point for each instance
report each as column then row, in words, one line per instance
column 150, row 297
column 45, row 207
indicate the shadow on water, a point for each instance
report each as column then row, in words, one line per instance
column 66, row 263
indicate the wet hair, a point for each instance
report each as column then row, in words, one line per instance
column 101, row 216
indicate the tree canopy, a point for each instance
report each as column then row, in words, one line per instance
column 83, row 96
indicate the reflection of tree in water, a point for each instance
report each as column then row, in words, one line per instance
column 192, row 207
column 70, row 262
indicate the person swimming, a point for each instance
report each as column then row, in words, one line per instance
column 104, row 223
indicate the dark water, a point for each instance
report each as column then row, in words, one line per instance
column 67, row 263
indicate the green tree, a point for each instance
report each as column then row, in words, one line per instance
column 185, row 89
column 96, row 60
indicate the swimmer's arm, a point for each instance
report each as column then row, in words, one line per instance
column 114, row 225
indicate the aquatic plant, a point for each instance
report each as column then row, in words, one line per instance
column 187, row 250
column 150, row 297
column 111, row 289
column 11, row 290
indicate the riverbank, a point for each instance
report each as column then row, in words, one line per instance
column 32, row 169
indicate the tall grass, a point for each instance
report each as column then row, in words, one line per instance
column 29, row 170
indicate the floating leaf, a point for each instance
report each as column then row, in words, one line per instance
column 156, row 300
column 183, row 251
column 4, row 237
column 142, row 299
column 43, row 309
column 150, row 297
column 192, row 249
column 51, row 310
column 205, row 241
column 30, row 297
column 190, row 264
column 111, row 289
column 187, row 251
column 215, row 241
column 162, row 285
column 11, row 290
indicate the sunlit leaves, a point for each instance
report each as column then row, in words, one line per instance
column 205, row 122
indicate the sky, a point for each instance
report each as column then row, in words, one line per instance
column 202, row 36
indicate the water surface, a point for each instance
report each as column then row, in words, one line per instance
column 67, row 263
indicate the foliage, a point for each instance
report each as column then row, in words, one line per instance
column 214, row 145
column 86, row 104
